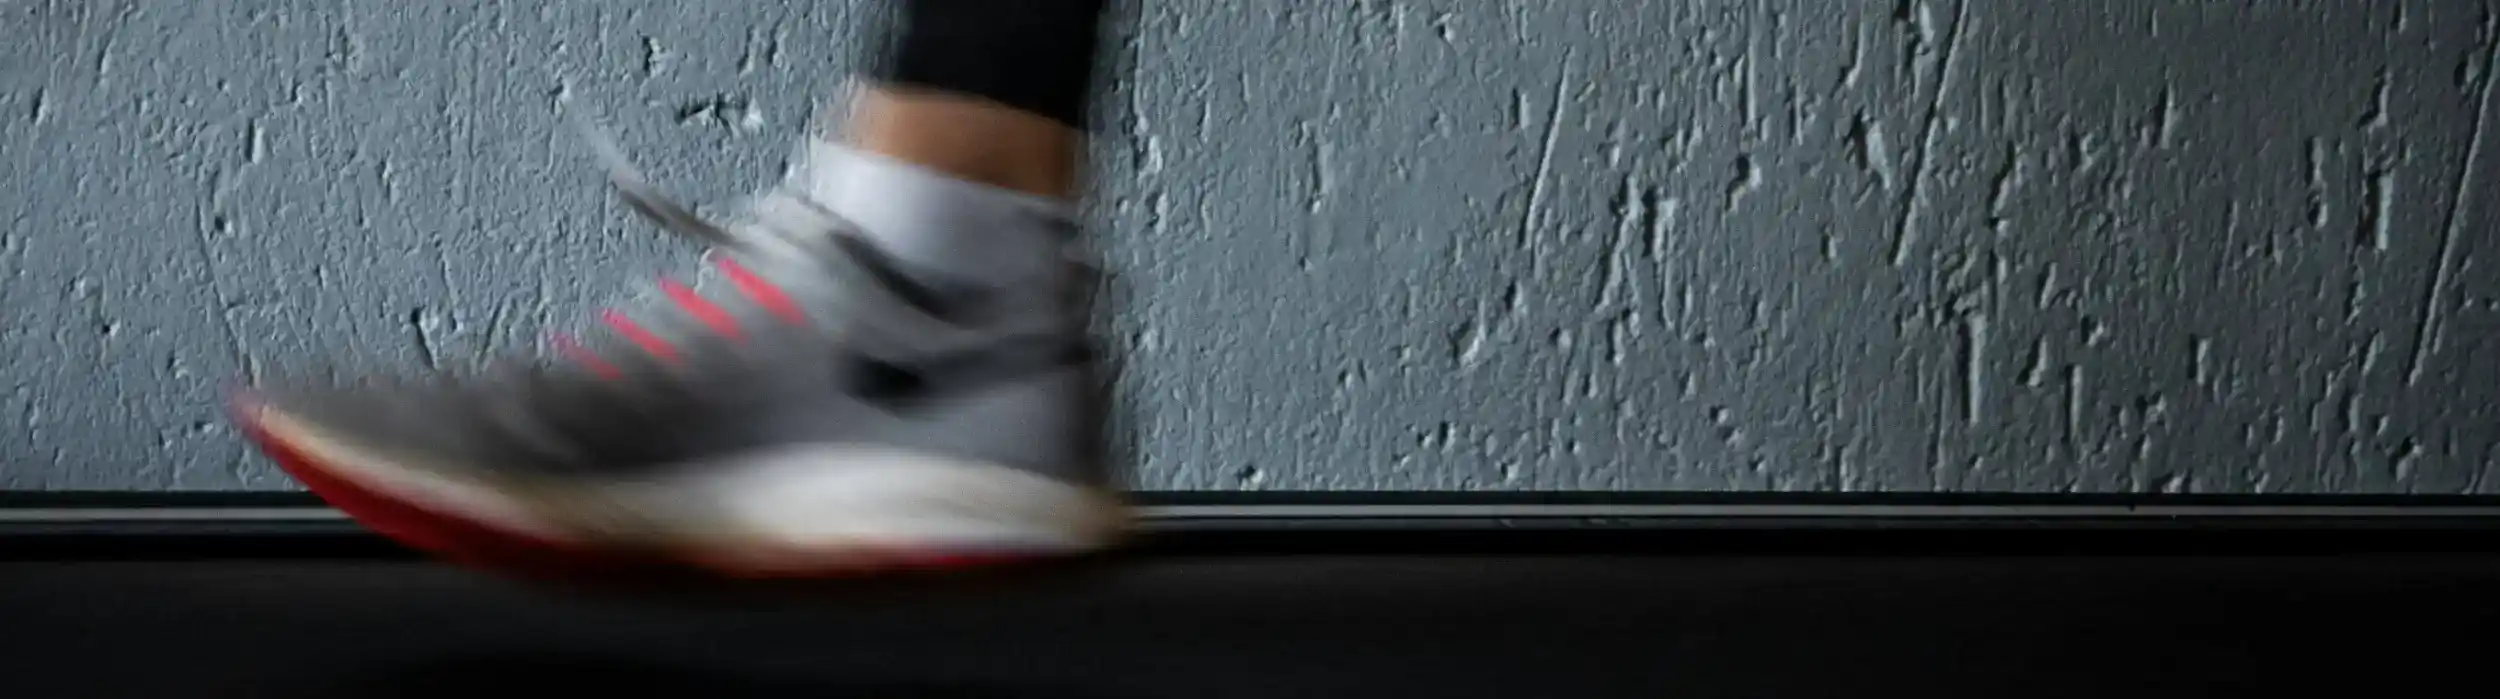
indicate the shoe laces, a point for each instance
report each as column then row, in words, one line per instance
column 786, row 259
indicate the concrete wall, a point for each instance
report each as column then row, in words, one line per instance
column 1769, row 244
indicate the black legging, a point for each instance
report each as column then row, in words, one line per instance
column 1034, row 55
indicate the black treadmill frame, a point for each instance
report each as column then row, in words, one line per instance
column 92, row 525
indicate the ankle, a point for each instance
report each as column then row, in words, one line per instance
column 964, row 137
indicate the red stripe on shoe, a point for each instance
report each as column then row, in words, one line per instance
column 695, row 305
column 763, row 293
column 572, row 349
column 651, row 343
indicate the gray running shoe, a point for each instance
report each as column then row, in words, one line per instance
column 804, row 405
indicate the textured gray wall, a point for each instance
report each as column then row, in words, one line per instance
column 1791, row 244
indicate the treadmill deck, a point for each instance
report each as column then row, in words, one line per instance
column 1442, row 625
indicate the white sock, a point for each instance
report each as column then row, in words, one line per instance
column 963, row 230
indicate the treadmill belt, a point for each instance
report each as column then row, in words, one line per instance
column 1174, row 625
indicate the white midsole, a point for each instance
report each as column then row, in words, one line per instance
column 817, row 498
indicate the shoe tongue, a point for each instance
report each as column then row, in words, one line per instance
column 783, row 219
column 785, row 230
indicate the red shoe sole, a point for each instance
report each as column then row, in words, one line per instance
column 474, row 543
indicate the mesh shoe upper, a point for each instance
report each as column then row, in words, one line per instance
column 793, row 331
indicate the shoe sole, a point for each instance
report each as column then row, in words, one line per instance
column 810, row 513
